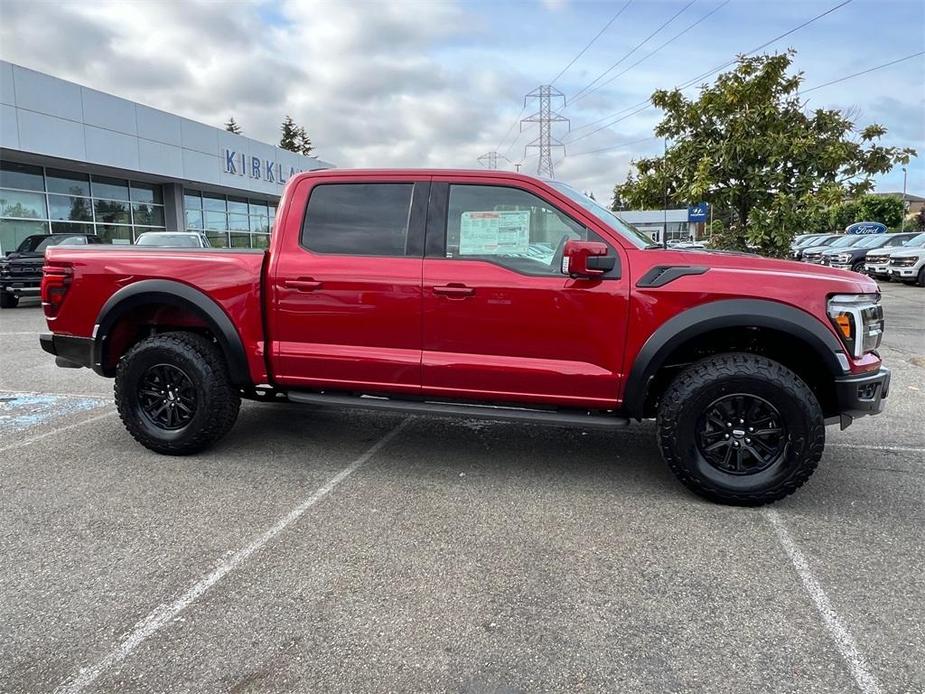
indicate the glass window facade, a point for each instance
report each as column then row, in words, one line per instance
column 229, row 221
column 39, row 200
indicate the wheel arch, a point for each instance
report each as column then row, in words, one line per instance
column 726, row 315
column 138, row 297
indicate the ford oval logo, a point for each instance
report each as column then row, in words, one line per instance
column 866, row 228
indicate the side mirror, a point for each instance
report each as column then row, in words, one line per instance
column 586, row 259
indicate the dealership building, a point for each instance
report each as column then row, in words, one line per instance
column 74, row 159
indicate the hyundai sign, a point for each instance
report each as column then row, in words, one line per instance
column 866, row 228
column 698, row 212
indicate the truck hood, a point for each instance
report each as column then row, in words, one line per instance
column 761, row 275
column 907, row 253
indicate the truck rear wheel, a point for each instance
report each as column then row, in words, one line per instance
column 174, row 395
column 740, row 429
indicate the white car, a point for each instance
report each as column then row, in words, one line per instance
column 877, row 262
column 173, row 239
column 908, row 263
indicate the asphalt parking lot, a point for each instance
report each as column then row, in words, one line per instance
column 321, row 550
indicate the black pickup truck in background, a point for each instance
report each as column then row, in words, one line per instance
column 21, row 270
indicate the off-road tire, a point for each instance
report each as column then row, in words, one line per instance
column 920, row 280
column 858, row 267
column 8, row 300
column 217, row 400
column 690, row 394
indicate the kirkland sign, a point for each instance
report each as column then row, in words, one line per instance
column 241, row 164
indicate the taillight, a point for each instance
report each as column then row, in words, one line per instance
column 56, row 280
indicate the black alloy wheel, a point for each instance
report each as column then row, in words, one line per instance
column 741, row 434
column 167, row 397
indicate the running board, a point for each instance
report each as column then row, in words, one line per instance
column 568, row 418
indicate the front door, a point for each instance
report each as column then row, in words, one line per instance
column 501, row 322
column 346, row 287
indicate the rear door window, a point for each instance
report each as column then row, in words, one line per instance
column 358, row 219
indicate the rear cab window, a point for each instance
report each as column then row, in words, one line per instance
column 371, row 219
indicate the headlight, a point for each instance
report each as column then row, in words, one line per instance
column 858, row 320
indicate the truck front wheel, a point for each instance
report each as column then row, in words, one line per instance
column 8, row 300
column 174, row 395
column 740, row 429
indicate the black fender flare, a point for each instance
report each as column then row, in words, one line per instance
column 726, row 313
column 172, row 293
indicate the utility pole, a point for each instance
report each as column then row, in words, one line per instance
column 490, row 160
column 545, row 117
column 903, row 223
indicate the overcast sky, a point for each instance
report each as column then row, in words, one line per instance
column 439, row 83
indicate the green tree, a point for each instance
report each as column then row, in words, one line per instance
column 303, row 142
column 290, row 135
column 747, row 146
column 881, row 208
column 232, row 126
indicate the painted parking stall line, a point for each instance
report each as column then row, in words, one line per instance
column 836, row 627
column 166, row 612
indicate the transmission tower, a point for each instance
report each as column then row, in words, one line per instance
column 490, row 160
column 545, row 117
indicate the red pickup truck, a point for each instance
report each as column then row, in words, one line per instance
column 479, row 294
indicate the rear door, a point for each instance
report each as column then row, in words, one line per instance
column 501, row 322
column 345, row 309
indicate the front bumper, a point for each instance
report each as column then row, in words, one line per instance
column 877, row 270
column 841, row 266
column 70, row 352
column 862, row 395
column 21, row 288
column 904, row 272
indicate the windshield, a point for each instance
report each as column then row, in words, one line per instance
column 169, row 240
column 915, row 242
column 846, row 241
column 58, row 241
column 873, row 241
column 809, row 241
column 627, row 231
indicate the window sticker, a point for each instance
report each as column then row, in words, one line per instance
column 494, row 233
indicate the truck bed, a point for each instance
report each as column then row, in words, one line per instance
column 229, row 277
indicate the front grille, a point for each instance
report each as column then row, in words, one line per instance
column 904, row 262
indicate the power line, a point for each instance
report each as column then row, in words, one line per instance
column 587, row 88
column 582, row 51
column 508, row 133
column 862, row 72
column 616, row 146
column 764, row 45
column 643, row 105
column 672, row 39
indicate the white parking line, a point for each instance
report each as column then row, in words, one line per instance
column 837, row 629
column 871, row 447
column 164, row 613
column 54, row 432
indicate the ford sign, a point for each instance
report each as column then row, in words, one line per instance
column 866, row 228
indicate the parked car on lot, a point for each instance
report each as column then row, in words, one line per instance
column 877, row 262
column 480, row 294
column 173, row 239
column 21, row 270
column 852, row 257
column 815, row 244
column 908, row 264
column 815, row 254
column 804, row 240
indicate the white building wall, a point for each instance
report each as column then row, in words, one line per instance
column 44, row 115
